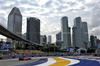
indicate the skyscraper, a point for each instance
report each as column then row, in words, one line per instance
column 93, row 40
column 65, row 33
column 33, row 29
column 58, row 36
column 49, row 39
column 85, row 34
column 24, row 36
column 58, row 40
column 15, row 21
column 77, row 33
column 43, row 40
column 69, row 37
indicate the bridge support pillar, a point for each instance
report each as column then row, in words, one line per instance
column 20, row 44
column 13, row 44
column 30, row 46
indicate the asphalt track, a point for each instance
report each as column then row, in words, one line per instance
column 87, row 62
column 12, row 62
column 54, row 61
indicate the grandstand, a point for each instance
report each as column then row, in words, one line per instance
column 1, row 55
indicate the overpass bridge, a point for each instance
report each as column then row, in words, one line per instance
column 9, row 34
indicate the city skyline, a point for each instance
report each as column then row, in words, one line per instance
column 52, row 18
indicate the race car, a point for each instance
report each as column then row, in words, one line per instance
column 24, row 58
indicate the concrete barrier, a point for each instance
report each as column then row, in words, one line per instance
column 0, row 58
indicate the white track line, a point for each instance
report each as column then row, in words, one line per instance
column 49, row 62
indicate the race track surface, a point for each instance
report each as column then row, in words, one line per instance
column 12, row 62
column 56, row 61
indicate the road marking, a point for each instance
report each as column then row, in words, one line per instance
column 49, row 62
column 60, row 62
column 72, row 61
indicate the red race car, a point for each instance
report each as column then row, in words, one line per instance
column 24, row 58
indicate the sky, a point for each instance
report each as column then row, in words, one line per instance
column 51, row 11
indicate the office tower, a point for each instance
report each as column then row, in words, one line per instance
column 85, row 34
column 77, row 33
column 93, row 40
column 89, row 44
column 65, row 33
column 69, row 37
column 14, row 24
column 49, row 39
column 43, row 40
column 24, row 36
column 58, row 40
column 98, row 43
column 15, row 21
column 33, row 30
column 58, row 36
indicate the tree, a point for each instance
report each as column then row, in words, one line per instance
column 76, row 48
column 90, row 50
column 50, row 48
column 82, row 51
column 45, row 49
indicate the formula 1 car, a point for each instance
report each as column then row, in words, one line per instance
column 24, row 58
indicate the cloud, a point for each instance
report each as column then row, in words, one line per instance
column 95, row 31
column 95, row 17
column 42, row 2
column 51, row 11
column 94, row 25
column 3, row 21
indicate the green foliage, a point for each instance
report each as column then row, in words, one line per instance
column 90, row 50
column 82, row 51
column 45, row 49
column 50, row 48
column 0, row 45
column 76, row 48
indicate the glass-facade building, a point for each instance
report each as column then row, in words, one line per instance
column 49, row 39
column 33, row 30
column 43, row 40
column 15, row 21
column 65, row 33
column 58, row 36
column 85, row 34
column 77, row 33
